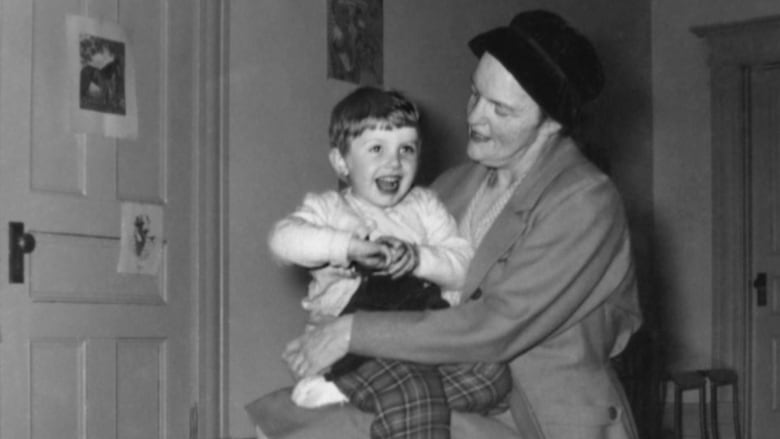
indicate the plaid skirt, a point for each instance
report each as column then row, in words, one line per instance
column 414, row 401
column 410, row 400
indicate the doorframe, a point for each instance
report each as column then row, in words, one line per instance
column 734, row 49
column 209, row 229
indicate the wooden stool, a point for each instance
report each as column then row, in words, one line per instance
column 719, row 378
column 683, row 381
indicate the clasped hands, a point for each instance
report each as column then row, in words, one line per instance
column 384, row 256
column 327, row 339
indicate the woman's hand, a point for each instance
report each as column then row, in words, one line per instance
column 319, row 347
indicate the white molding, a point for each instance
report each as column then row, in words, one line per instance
column 210, row 182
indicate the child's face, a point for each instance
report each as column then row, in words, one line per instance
column 381, row 164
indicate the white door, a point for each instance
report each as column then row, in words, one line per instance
column 86, row 352
column 765, row 255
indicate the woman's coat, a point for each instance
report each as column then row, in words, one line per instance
column 554, row 294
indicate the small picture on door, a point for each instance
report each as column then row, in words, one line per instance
column 102, row 76
column 141, row 242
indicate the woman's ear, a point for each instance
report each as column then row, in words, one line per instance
column 339, row 164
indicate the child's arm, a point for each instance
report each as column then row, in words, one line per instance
column 305, row 238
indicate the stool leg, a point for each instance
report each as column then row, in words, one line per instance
column 662, row 392
column 735, row 400
column 677, row 413
column 714, row 411
column 703, row 410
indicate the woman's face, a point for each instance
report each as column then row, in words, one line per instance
column 503, row 119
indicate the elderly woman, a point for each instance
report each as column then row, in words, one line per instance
column 552, row 281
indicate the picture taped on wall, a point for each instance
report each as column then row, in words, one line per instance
column 355, row 41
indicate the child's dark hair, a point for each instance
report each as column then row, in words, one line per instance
column 369, row 108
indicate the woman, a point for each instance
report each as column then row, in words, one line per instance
column 552, row 280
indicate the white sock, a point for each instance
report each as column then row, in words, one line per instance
column 313, row 392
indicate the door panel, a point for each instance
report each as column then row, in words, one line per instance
column 86, row 351
column 57, row 157
column 765, row 254
column 142, row 387
column 66, row 268
column 141, row 162
column 56, row 387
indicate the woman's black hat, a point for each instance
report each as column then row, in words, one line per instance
column 553, row 62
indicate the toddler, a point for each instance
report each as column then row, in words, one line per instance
column 382, row 243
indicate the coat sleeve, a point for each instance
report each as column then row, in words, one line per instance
column 572, row 256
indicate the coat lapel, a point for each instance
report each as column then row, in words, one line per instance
column 510, row 224
column 506, row 229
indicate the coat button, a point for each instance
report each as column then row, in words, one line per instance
column 476, row 294
column 613, row 413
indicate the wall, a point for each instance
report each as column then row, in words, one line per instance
column 682, row 171
column 279, row 103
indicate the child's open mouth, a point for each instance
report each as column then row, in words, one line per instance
column 388, row 184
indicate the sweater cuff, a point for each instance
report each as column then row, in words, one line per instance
column 337, row 248
column 425, row 264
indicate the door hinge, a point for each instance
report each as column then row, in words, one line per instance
column 760, row 285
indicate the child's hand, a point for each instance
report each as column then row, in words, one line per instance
column 369, row 254
column 404, row 257
column 317, row 319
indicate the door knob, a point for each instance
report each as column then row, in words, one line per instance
column 19, row 244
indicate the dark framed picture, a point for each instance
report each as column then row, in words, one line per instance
column 101, row 78
column 102, row 75
column 355, row 41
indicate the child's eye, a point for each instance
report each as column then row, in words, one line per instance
column 409, row 149
column 375, row 148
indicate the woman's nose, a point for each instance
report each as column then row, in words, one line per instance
column 474, row 110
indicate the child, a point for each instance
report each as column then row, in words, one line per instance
column 382, row 244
